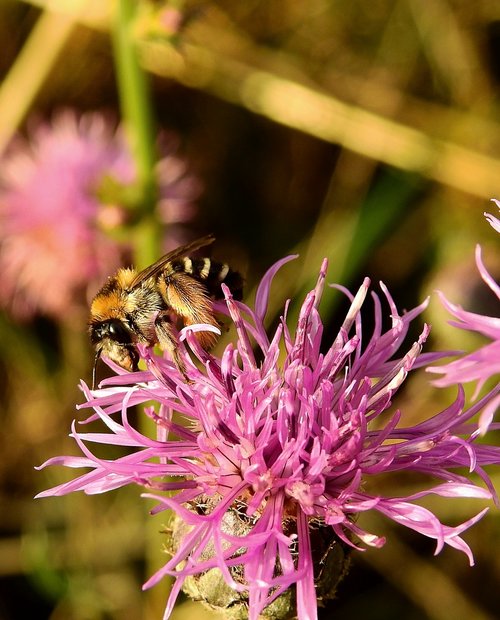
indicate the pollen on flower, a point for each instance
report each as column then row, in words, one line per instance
column 421, row 446
column 260, row 482
column 302, row 492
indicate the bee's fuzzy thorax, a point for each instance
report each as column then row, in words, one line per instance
column 125, row 276
column 109, row 301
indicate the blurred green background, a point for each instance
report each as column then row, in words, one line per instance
column 368, row 132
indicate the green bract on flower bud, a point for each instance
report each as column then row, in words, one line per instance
column 330, row 559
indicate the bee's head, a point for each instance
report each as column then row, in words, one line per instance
column 113, row 339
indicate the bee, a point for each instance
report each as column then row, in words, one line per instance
column 143, row 307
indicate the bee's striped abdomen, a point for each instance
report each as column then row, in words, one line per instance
column 212, row 274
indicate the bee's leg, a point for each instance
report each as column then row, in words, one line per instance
column 167, row 339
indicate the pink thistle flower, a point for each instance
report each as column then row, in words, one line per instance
column 289, row 437
column 54, row 240
column 484, row 363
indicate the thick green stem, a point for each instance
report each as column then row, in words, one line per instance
column 137, row 116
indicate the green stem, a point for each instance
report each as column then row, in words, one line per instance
column 33, row 65
column 138, row 116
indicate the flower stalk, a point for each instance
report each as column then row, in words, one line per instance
column 137, row 114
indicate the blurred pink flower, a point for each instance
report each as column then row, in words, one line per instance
column 494, row 221
column 170, row 20
column 178, row 188
column 484, row 363
column 288, row 432
column 54, row 234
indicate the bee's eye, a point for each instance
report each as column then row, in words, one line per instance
column 118, row 332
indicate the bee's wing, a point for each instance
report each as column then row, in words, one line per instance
column 161, row 262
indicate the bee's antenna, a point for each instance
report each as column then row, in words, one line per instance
column 94, row 369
